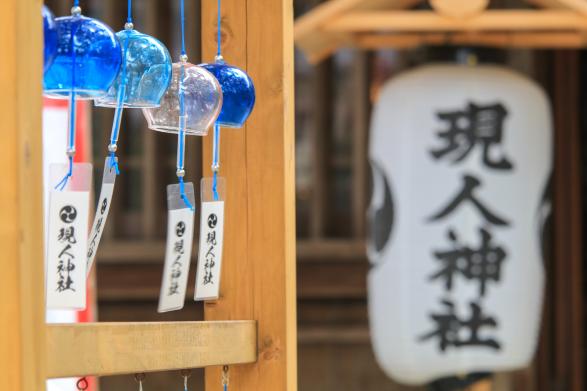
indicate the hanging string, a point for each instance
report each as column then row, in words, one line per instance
column 182, row 23
column 185, row 373
column 72, row 107
column 219, row 32
column 225, row 379
column 182, row 117
column 129, row 12
column 139, row 377
column 216, row 135
column 215, row 159
column 112, row 147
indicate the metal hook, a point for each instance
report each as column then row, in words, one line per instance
column 185, row 373
column 225, row 376
column 82, row 384
column 139, row 377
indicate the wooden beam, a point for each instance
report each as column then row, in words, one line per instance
column 102, row 349
column 259, row 269
column 546, row 3
column 428, row 21
column 459, row 8
column 483, row 385
column 576, row 5
column 318, row 45
column 153, row 252
column 505, row 40
column 309, row 23
column 22, row 316
column 567, row 280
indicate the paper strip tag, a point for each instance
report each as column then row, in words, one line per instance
column 180, row 232
column 102, row 209
column 211, row 241
column 68, row 220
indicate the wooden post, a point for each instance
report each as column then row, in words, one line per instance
column 22, row 344
column 258, row 276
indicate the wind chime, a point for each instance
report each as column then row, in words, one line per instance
column 85, row 60
column 190, row 106
column 239, row 98
column 144, row 76
column 84, row 64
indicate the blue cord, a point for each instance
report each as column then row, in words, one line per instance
column 119, row 105
column 219, row 32
column 129, row 12
column 181, row 135
column 215, row 160
column 72, row 114
column 182, row 21
column 216, row 135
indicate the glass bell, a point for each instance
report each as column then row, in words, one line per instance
column 238, row 93
column 50, row 38
column 202, row 102
column 97, row 57
column 147, row 68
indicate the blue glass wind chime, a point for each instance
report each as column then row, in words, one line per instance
column 85, row 60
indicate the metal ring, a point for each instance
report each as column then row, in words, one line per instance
column 139, row 377
column 225, row 379
column 185, row 372
column 82, row 384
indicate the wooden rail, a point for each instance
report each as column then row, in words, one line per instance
column 116, row 348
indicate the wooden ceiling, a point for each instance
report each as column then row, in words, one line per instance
column 374, row 24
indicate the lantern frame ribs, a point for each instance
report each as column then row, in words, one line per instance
column 102, row 349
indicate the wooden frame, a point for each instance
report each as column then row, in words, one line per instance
column 102, row 349
column 258, row 276
column 259, row 269
column 22, row 340
column 346, row 23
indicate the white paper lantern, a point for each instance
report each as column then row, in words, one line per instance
column 461, row 160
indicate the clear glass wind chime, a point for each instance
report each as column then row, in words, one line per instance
column 190, row 106
column 144, row 76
